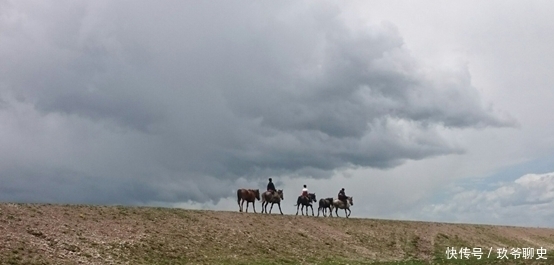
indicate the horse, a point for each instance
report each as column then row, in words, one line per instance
column 324, row 204
column 248, row 195
column 305, row 202
column 338, row 204
column 269, row 197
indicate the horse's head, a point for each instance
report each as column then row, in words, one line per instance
column 351, row 200
column 257, row 192
column 312, row 197
column 280, row 192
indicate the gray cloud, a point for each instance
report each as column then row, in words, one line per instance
column 184, row 99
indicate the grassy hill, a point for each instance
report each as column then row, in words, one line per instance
column 79, row 234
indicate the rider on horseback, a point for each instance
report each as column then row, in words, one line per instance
column 271, row 187
column 342, row 196
column 305, row 192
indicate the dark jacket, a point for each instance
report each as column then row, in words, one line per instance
column 271, row 186
column 342, row 195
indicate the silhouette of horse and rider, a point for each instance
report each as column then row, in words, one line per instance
column 305, row 200
column 274, row 196
column 342, row 202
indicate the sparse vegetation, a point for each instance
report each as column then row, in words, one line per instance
column 77, row 234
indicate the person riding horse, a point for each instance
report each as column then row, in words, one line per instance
column 305, row 192
column 271, row 187
column 342, row 196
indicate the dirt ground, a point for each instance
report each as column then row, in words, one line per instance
column 80, row 234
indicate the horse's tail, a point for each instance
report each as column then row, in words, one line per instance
column 297, row 202
column 238, row 196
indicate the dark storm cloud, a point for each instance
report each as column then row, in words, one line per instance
column 195, row 96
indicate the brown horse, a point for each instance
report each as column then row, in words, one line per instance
column 248, row 195
column 269, row 197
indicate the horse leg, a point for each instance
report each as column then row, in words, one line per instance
column 297, row 206
column 349, row 212
column 279, row 204
column 345, row 213
column 337, row 212
column 312, row 210
column 254, row 206
column 271, row 207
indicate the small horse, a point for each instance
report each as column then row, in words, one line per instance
column 324, row 204
column 269, row 197
column 248, row 195
column 338, row 204
column 305, row 202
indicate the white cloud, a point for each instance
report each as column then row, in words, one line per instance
column 527, row 201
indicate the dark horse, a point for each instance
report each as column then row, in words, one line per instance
column 248, row 195
column 324, row 204
column 269, row 197
column 305, row 202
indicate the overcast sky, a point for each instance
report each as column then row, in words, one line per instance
column 426, row 110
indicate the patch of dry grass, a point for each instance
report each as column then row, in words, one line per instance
column 80, row 234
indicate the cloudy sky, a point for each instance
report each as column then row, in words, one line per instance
column 427, row 110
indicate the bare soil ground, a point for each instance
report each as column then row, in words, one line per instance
column 80, row 234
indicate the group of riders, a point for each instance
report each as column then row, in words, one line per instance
column 271, row 187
